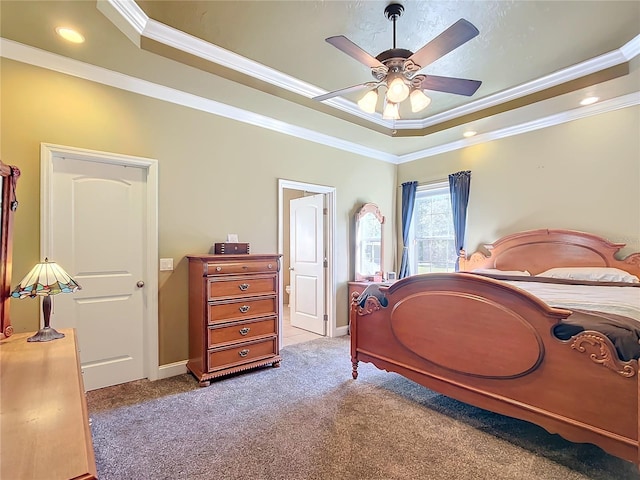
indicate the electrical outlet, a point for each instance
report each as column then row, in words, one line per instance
column 166, row 264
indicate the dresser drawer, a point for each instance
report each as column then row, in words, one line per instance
column 244, row 353
column 249, row 266
column 243, row 286
column 241, row 331
column 246, row 308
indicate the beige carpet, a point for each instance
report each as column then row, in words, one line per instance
column 310, row 420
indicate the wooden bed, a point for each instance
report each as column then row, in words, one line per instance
column 485, row 343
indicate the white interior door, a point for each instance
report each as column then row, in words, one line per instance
column 306, row 247
column 98, row 236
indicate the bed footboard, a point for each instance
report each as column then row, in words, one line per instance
column 491, row 345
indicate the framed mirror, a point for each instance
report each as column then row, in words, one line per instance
column 9, row 176
column 369, row 254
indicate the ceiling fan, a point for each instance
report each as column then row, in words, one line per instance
column 398, row 69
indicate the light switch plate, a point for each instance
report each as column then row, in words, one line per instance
column 166, row 264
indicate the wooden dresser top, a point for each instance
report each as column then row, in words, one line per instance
column 231, row 257
column 44, row 423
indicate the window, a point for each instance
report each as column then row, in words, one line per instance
column 432, row 241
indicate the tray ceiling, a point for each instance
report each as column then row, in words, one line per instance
column 536, row 60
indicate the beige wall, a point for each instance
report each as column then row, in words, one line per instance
column 582, row 175
column 215, row 176
column 218, row 176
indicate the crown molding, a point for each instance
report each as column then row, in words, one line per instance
column 130, row 11
column 617, row 103
column 187, row 43
column 43, row 59
column 184, row 42
column 631, row 49
column 574, row 72
column 135, row 17
column 126, row 15
column 51, row 61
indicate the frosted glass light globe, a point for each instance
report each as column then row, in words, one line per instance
column 397, row 90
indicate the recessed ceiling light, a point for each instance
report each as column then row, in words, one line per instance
column 469, row 133
column 70, row 34
column 589, row 101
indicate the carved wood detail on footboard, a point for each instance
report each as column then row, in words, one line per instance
column 371, row 304
column 603, row 352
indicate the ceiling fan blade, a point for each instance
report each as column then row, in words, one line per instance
column 343, row 91
column 460, row 32
column 459, row 86
column 347, row 46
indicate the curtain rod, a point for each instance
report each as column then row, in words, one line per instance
column 433, row 182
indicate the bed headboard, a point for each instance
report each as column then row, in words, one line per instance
column 540, row 250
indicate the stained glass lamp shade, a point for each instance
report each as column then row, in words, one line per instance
column 44, row 280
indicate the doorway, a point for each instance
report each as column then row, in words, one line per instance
column 286, row 190
column 99, row 221
column 307, row 262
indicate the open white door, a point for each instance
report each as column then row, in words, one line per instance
column 306, row 246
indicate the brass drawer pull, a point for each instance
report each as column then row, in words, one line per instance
column 243, row 286
column 244, row 353
column 218, row 269
column 244, row 331
column 270, row 266
column 245, row 308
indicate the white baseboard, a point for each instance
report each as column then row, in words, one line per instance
column 172, row 369
column 340, row 331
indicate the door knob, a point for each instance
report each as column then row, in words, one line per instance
column 291, row 268
column 140, row 284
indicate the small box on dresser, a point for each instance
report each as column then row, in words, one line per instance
column 233, row 313
column 231, row 248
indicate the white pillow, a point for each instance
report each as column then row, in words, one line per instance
column 592, row 274
column 495, row 271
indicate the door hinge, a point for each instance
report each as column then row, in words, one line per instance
column 325, row 263
column 325, row 317
column 325, row 211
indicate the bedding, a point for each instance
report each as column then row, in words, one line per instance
column 612, row 308
column 596, row 274
column 495, row 271
column 372, row 290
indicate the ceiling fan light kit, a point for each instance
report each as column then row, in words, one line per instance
column 391, row 111
column 400, row 70
column 419, row 101
column 397, row 89
column 369, row 102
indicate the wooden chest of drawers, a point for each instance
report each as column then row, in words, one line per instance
column 233, row 314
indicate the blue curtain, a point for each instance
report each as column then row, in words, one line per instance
column 459, row 184
column 408, row 201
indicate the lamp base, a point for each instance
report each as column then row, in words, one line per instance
column 45, row 334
